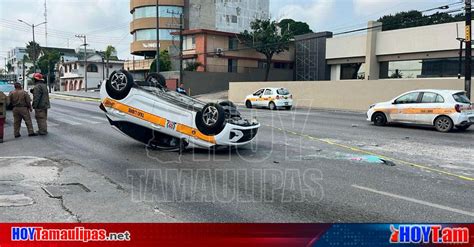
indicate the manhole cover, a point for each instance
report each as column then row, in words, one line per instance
column 58, row 191
column 16, row 200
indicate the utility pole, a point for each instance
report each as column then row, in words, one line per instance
column 84, row 38
column 46, row 23
column 34, row 41
column 181, row 41
column 157, row 37
column 468, row 73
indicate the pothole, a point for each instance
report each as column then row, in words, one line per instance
column 58, row 191
column 15, row 200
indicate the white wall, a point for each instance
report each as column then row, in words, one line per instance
column 347, row 46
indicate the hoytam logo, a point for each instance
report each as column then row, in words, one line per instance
column 78, row 234
column 429, row 234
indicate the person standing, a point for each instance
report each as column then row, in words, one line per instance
column 41, row 103
column 21, row 103
column 181, row 89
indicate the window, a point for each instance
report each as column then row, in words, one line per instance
column 232, row 66
column 259, row 92
column 233, row 43
column 268, row 92
column 410, row 98
column 92, row 68
column 432, row 98
column 75, row 66
column 150, row 12
column 150, row 34
column 352, row 71
column 283, row 91
column 461, row 98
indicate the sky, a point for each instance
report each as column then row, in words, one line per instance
column 107, row 21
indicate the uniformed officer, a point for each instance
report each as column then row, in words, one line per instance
column 21, row 103
column 41, row 103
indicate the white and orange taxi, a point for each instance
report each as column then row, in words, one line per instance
column 443, row 109
column 272, row 98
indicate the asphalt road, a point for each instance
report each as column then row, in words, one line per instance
column 305, row 166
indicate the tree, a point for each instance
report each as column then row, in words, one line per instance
column 47, row 64
column 33, row 50
column 109, row 52
column 296, row 27
column 165, row 62
column 9, row 67
column 267, row 39
column 415, row 18
column 193, row 66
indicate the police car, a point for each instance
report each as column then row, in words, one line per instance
column 272, row 98
column 443, row 109
column 163, row 119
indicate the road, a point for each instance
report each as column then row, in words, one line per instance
column 305, row 166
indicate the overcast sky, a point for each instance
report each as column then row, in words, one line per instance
column 107, row 21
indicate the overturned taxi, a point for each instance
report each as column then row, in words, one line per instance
column 163, row 119
column 443, row 109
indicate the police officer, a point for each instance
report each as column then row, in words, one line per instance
column 21, row 103
column 41, row 103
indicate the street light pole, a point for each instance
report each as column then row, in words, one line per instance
column 157, row 38
column 34, row 41
column 85, row 59
column 468, row 72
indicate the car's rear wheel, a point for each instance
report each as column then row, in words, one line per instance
column 272, row 106
column 119, row 84
column 443, row 124
column 156, row 80
column 210, row 120
column 379, row 119
column 463, row 128
column 248, row 104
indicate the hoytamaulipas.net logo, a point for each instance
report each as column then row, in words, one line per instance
column 77, row 234
column 428, row 234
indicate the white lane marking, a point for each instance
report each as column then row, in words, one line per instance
column 82, row 118
column 433, row 205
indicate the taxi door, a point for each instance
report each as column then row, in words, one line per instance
column 404, row 110
column 430, row 106
column 267, row 97
column 256, row 99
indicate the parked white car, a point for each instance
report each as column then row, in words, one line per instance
column 272, row 98
column 151, row 114
column 443, row 109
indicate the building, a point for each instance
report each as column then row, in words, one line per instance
column 216, row 51
column 15, row 58
column 227, row 16
column 411, row 53
column 71, row 70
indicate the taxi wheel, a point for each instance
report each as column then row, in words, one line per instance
column 119, row 84
column 444, row 124
column 379, row 119
column 272, row 106
column 248, row 104
column 210, row 120
column 156, row 80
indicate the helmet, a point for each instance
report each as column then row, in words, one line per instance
column 38, row 76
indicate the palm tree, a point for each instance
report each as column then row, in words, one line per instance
column 109, row 52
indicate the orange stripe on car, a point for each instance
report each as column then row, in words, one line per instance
column 160, row 121
column 436, row 111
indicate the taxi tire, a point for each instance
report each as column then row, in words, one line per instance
column 379, row 119
column 123, row 93
column 212, row 129
column 248, row 104
column 443, row 124
column 156, row 80
column 272, row 106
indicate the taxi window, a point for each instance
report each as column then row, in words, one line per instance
column 259, row 92
column 268, row 92
column 410, row 98
column 283, row 91
column 432, row 98
column 461, row 98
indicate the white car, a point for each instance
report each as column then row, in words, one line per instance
column 163, row 119
column 272, row 98
column 443, row 109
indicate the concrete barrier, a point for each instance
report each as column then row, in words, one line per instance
column 351, row 95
